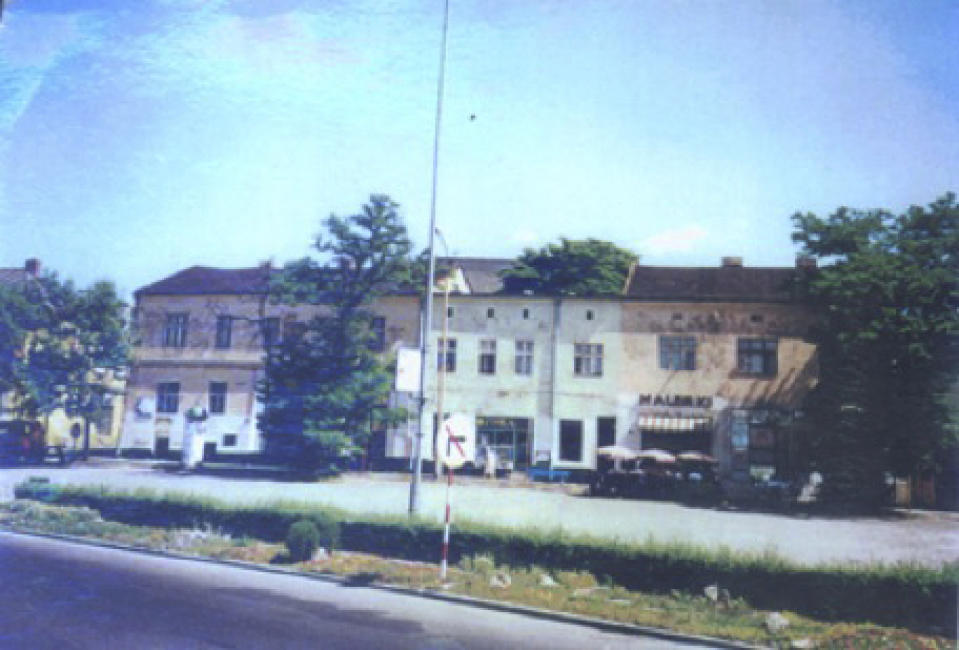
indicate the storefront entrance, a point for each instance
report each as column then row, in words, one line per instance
column 508, row 437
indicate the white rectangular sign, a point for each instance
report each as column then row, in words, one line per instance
column 408, row 370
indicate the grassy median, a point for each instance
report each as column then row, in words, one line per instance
column 654, row 584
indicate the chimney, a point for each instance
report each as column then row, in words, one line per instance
column 32, row 267
column 732, row 262
column 806, row 262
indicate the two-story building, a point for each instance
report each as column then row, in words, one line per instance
column 687, row 359
column 201, row 339
column 713, row 359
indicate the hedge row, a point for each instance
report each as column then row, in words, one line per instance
column 920, row 598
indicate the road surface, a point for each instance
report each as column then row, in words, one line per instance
column 55, row 594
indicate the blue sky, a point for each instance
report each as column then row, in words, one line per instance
column 140, row 138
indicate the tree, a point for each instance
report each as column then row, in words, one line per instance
column 888, row 307
column 324, row 381
column 589, row 267
column 52, row 335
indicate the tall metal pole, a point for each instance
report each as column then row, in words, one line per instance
column 428, row 308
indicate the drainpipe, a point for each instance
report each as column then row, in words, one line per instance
column 553, row 344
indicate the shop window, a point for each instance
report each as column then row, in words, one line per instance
column 605, row 432
column 487, row 357
column 571, row 440
column 168, row 397
column 588, row 360
column 224, row 331
column 524, row 357
column 508, row 437
column 677, row 352
column 217, row 397
column 174, row 330
column 757, row 356
column 446, row 349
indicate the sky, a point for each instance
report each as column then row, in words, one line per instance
column 140, row 138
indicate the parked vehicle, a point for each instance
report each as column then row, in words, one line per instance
column 24, row 442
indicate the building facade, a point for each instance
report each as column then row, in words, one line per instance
column 201, row 339
column 715, row 360
column 711, row 359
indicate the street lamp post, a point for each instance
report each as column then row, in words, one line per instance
column 430, row 276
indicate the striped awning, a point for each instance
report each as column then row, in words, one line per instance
column 667, row 423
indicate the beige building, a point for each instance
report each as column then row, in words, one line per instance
column 711, row 359
column 201, row 338
column 707, row 359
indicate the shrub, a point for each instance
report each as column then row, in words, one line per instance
column 302, row 540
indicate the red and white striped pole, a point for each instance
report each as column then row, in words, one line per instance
column 450, row 440
column 446, row 526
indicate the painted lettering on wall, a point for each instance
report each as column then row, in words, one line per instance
column 693, row 401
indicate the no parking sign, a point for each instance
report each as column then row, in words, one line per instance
column 456, row 444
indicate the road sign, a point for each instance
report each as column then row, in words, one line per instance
column 457, row 441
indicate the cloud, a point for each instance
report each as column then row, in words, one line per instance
column 674, row 240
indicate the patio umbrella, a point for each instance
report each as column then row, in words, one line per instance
column 696, row 456
column 658, row 455
column 617, row 452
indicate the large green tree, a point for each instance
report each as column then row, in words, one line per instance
column 52, row 335
column 887, row 295
column 588, row 267
column 326, row 377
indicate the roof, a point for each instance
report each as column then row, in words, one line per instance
column 482, row 273
column 205, row 280
column 776, row 284
column 12, row 276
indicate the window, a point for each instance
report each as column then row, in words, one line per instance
column 217, row 397
column 449, row 351
column 378, row 326
column 168, row 397
column 174, row 332
column 449, row 312
column 224, row 331
column 293, row 330
column 571, row 440
column 229, row 440
column 605, row 432
column 271, row 331
column 588, row 360
column 524, row 357
column 526, row 314
column 757, row 356
column 487, row 357
column 677, row 352
column 589, row 314
column 490, row 312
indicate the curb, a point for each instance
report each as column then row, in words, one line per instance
column 561, row 617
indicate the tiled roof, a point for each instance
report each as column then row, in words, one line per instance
column 204, row 280
column 481, row 273
column 12, row 276
column 725, row 283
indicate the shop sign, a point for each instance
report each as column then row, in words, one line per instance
column 690, row 401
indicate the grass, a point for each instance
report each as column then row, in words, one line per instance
column 481, row 576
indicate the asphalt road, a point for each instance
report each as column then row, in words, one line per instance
column 60, row 595
column 924, row 537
